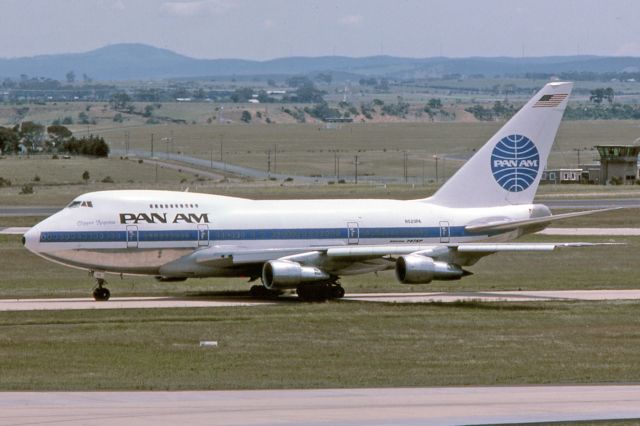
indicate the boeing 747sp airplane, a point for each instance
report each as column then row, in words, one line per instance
column 308, row 245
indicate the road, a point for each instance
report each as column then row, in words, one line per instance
column 17, row 211
column 383, row 406
column 8, row 305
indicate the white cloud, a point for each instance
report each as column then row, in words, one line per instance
column 351, row 20
column 196, row 7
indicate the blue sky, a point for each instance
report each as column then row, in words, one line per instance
column 264, row 29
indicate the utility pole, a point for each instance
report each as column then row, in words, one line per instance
column 577, row 150
column 269, row 163
column 356, row 164
column 406, row 173
column 436, row 158
column 275, row 157
column 152, row 146
column 423, row 161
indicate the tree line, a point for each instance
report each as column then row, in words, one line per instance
column 30, row 137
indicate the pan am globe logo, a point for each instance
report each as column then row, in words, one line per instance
column 515, row 162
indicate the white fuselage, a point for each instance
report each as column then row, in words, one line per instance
column 138, row 232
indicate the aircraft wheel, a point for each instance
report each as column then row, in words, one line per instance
column 337, row 291
column 314, row 292
column 261, row 292
column 101, row 294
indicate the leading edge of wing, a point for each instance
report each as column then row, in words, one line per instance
column 509, row 225
column 237, row 255
column 367, row 251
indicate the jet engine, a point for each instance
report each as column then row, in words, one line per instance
column 417, row 269
column 280, row 274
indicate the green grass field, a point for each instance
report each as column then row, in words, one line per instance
column 337, row 344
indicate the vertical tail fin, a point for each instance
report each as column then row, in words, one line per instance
column 507, row 169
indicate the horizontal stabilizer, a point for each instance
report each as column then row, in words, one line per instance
column 540, row 222
column 13, row 231
column 518, row 247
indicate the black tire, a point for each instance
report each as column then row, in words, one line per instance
column 101, row 294
column 337, row 292
column 261, row 292
column 314, row 292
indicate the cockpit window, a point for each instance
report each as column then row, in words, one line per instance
column 75, row 204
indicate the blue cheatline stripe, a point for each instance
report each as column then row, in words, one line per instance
column 83, row 237
column 249, row 234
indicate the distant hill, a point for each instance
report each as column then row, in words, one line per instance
column 141, row 62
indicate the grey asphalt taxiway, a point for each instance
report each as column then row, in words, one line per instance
column 8, row 305
column 382, row 406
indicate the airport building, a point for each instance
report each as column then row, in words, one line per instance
column 619, row 163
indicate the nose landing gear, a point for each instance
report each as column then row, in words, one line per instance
column 100, row 292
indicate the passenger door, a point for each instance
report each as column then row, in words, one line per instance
column 203, row 235
column 132, row 236
column 353, row 233
column 444, row 232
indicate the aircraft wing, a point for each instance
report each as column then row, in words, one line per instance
column 536, row 222
column 438, row 250
column 227, row 256
column 13, row 231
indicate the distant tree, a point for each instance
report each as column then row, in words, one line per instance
column 86, row 79
column 246, row 116
column 434, row 103
column 600, row 94
column 8, row 140
column 384, row 85
column 298, row 81
column 70, row 76
column 121, row 102
column 118, row 118
column 91, row 145
column 597, row 96
column 86, row 176
column 609, row 94
column 370, row 81
column 32, row 133
column 58, row 134
column 308, row 93
column 271, row 82
column 148, row 111
column 324, row 78
column 200, row 94
column 83, row 118
column 243, row 94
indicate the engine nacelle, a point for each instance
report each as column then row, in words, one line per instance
column 279, row 274
column 416, row 269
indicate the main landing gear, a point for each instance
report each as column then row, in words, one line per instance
column 101, row 293
column 314, row 292
column 261, row 292
column 310, row 292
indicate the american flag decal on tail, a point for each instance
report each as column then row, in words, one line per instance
column 550, row 100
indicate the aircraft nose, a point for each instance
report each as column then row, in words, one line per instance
column 31, row 238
